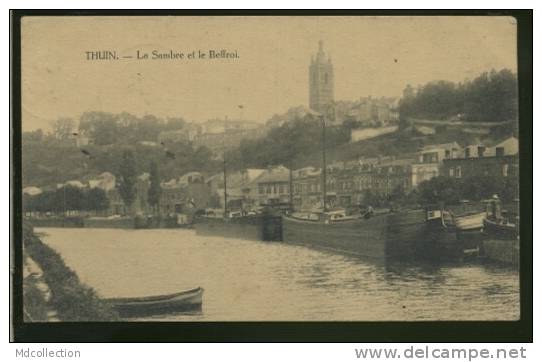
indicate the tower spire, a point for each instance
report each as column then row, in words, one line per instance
column 320, row 79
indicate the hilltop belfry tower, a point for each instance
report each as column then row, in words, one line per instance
column 320, row 80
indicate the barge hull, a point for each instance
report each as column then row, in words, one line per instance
column 501, row 251
column 259, row 228
column 383, row 236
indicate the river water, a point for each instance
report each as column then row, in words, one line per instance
column 259, row 281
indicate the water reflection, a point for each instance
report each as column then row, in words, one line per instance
column 245, row 280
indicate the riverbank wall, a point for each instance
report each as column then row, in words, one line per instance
column 128, row 222
column 72, row 300
column 58, row 222
column 117, row 223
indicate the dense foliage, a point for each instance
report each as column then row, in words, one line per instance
column 451, row 190
column 491, row 97
column 288, row 144
column 125, row 128
column 127, row 178
column 34, row 303
column 153, row 196
column 67, row 198
column 53, row 158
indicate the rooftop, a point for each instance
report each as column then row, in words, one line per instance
column 275, row 174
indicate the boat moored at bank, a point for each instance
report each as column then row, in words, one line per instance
column 453, row 237
column 259, row 227
column 380, row 235
column 501, row 242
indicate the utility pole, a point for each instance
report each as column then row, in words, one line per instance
column 224, row 170
column 290, row 186
column 324, row 167
column 64, row 199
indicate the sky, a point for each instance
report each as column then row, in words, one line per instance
column 375, row 56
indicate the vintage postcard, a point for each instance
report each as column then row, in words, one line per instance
column 270, row 168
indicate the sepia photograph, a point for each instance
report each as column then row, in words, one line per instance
column 270, row 169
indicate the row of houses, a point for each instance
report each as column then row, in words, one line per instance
column 347, row 183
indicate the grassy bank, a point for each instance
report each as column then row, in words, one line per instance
column 72, row 300
column 35, row 305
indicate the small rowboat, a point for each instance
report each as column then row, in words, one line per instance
column 189, row 300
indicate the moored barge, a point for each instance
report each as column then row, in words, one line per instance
column 259, row 227
column 386, row 235
column 501, row 235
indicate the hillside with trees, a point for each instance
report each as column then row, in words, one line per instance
column 52, row 158
column 490, row 97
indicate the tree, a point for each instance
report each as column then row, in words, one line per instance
column 33, row 136
column 153, row 194
column 490, row 97
column 397, row 194
column 294, row 139
column 96, row 200
column 127, row 178
column 174, row 123
column 148, row 128
column 439, row 189
column 62, row 128
column 103, row 127
column 371, row 198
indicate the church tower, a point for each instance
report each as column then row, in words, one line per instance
column 320, row 80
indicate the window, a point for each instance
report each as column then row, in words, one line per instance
column 281, row 189
column 499, row 151
column 505, row 170
column 458, row 172
column 451, row 172
column 261, row 189
column 268, row 189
